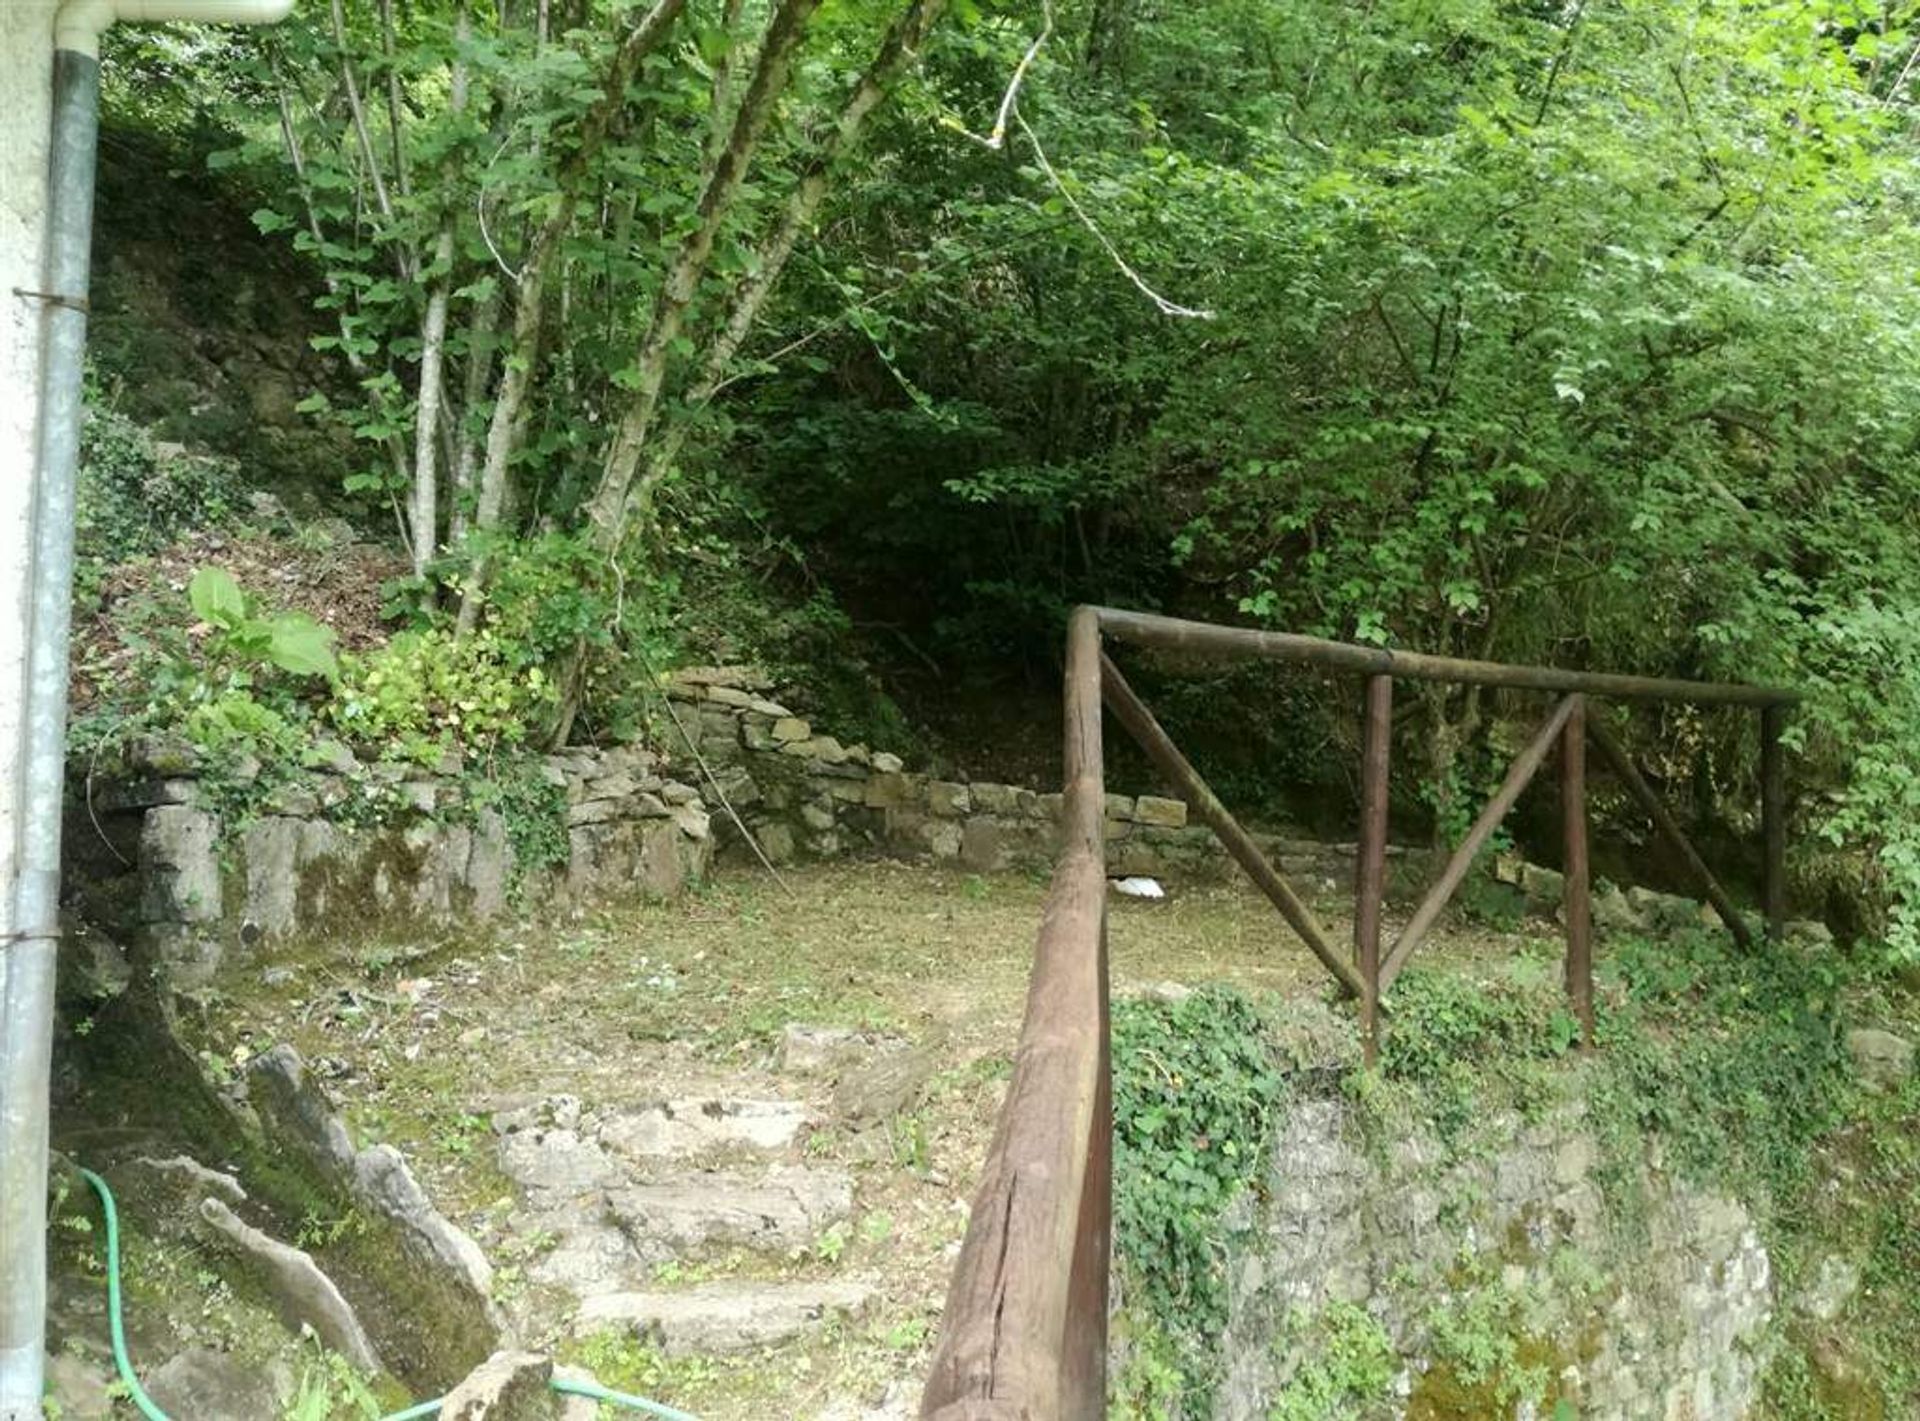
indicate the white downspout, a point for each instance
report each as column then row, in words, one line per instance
column 33, row 771
column 78, row 24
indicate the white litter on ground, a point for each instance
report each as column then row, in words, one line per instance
column 1138, row 887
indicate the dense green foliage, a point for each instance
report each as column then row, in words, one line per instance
column 1726, row 1067
column 1576, row 333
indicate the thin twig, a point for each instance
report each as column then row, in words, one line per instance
column 480, row 208
column 1161, row 303
column 706, row 770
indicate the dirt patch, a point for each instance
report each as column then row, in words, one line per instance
column 329, row 576
column 613, row 1008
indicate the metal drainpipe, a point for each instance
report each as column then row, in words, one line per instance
column 30, row 906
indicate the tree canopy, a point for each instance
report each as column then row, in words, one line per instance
column 1578, row 332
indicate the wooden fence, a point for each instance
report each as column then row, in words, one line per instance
column 1024, row 1334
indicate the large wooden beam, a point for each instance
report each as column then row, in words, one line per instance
column 1173, row 634
column 1205, row 805
column 1024, row 1330
column 1519, row 774
column 1669, row 829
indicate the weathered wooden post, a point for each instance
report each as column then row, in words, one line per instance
column 1573, row 801
column 1371, row 874
column 1773, row 819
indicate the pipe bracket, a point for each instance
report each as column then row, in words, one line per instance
column 54, row 298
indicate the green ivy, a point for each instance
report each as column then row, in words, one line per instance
column 1196, row 1098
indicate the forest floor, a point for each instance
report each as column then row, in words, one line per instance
column 868, row 1015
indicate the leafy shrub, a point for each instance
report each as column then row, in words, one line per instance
column 425, row 692
column 1351, row 1364
column 132, row 498
column 243, row 641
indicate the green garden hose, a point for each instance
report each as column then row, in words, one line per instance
column 116, row 1326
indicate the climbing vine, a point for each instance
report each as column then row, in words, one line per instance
column 1196, row 1098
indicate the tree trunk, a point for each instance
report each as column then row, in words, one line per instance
column 433, row 335
column 897, row 51
column 479, row 374
column 510, row 411
column 607, row 511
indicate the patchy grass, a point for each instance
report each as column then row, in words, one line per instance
column 422, row 1041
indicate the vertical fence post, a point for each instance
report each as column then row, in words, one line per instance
column 1371, row 875
column 1573, row 802
column 1083, row 1383
column 1773, row 819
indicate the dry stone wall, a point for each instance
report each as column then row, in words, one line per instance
column 1659, row 1310
column 354, row 848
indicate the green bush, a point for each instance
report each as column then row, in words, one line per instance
column 133, row 499
column 426, row 692
column 1196, row 1097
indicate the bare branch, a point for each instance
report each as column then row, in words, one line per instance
column 997, row 139
column 1161, row 303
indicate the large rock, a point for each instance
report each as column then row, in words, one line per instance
column 180, row 865
column 304, row 1295
column 1883, row 1061
column 296, row 1114
column 200, row 1384
column 508, row 1386
column 725, row 1317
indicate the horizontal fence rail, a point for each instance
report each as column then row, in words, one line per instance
column 1205, row 638
column 1024, row 1334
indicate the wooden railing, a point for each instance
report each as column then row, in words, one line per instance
column 1024, row 1334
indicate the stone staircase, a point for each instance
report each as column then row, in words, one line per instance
column 639, row 1204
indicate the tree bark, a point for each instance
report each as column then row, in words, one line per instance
column 478, row 376
column 897, row 51
column 509, row 419
column 607, row 511
column 433, row 341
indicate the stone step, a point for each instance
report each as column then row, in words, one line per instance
column 725, row 1317
column 554, row 1144
column 610, row 1239
column 785, row 1208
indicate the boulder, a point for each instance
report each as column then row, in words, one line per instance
column 508, row 1386
column 1883, row 1061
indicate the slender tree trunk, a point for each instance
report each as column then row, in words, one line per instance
column 720, row 109
column 510, row 412
column 363, row 138
column 479, row 374
column 433, row 344
column 607, row 511
column 395, row 126
column 510, row 409
column 897, row 51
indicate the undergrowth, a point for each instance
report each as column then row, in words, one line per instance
column 1723, row 1069
column 1196, row 1098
